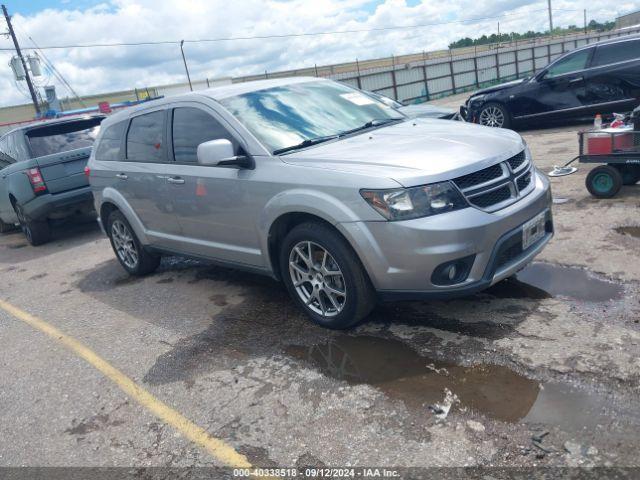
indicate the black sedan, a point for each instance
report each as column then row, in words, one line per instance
column 600, row 78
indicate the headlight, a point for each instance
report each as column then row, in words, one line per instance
column 416, row 202
column 477, row 98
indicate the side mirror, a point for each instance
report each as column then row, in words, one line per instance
column 220, row 153
column 211, row 152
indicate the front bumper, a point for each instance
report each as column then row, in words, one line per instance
column 400, row 257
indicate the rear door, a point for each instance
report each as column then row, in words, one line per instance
column 143, row 175
column 613, row 81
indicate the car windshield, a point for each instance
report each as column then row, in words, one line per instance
column 285, row 117
column 63, row 137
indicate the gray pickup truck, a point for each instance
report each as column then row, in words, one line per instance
column 42, row 174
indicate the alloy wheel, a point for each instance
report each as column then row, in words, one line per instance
column 124, row 245
column 492, row 117
column 317, row 279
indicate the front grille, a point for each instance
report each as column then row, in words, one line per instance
column 524, row 181
column 494, row 197
column 499, row 185
column 479, row 177
column 516, row 161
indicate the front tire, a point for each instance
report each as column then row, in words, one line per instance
column 37, row 232
column 604, row 181
column 324, row 276
column 129, row 251
column 494, row 115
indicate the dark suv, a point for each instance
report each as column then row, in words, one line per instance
column 601, row 78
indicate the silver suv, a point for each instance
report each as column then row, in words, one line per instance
column 323, row 187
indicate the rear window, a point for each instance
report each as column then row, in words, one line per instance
column 144, row 142
column 617, row 52
column 110, row 142
column 63, row 137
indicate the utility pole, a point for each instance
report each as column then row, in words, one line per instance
column 32, row 91
column 550, row 18
column 184, row 59
column 585, row 20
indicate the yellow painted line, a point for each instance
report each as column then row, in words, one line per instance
column 214, row 446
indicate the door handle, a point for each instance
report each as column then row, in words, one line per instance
column 576, row 80
column 121, row 176
column 175, row 180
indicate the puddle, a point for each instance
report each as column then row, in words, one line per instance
column 543, row 280
column 629, row 231
column 496, row 391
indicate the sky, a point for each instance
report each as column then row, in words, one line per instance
column 103, row 69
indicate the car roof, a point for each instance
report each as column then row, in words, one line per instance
column 216, row 93
column 608, row 41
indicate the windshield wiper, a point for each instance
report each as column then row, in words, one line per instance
column 305, row 143
column 376, row 122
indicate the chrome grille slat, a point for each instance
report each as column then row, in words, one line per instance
column 499, row 185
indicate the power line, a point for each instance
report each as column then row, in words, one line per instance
column 54, row 70
column 288, row 35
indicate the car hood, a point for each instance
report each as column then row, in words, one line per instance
column 424, row 110
column 496, row 88
column 414, row 152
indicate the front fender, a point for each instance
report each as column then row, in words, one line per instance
column 111, row 195
column 313, row 202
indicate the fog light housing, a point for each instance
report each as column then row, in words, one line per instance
column 453, row 271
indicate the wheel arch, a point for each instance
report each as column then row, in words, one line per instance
column 111, row 200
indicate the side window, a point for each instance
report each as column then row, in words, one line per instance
column 617, row 52
column 109, row 146
column 191, row 127
column 144, row 141
column 572, row 63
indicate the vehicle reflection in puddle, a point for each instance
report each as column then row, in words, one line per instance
column 629, row 231
column 495, row 391
column 543, row 280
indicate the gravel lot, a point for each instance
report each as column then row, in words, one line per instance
column 542, row 369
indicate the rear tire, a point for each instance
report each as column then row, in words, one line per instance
column 331, row 286
column 6, row 227
column 36, row 231
column 630, row 173
column 133, row 257
column 494, row 115
column 604, row 181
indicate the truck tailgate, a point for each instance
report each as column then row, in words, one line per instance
column 64, row 171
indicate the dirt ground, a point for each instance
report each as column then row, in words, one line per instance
column 543, row 369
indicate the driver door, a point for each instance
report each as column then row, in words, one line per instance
column 560, row 90
column 215, row 206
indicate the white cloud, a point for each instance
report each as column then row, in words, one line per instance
column 97, row 69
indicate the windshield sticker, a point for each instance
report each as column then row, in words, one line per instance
column 357, row 98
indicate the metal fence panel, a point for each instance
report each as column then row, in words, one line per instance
column 540, row 52
column 525, row 67
column 412, row 91
column 556, row 48
column 409, row 75
column 377, row 81
column 487, row 75
column 464, row 80
column 508, row 71
column 438, row 70
column 506, row 57
column 541, row 63
column 441, row 85
column 463, row 66
column 486, row 61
